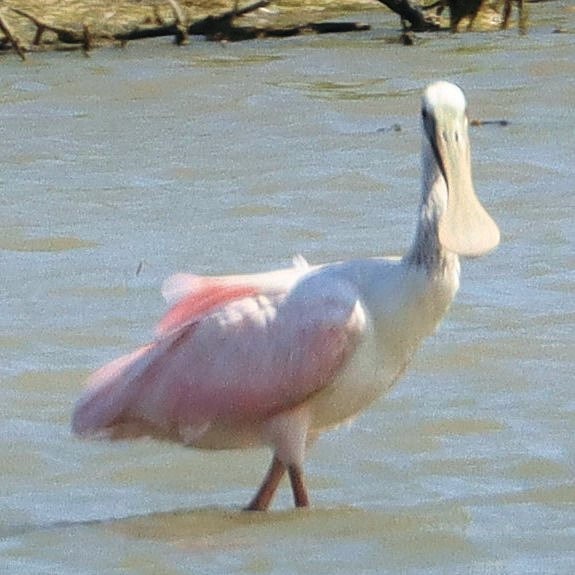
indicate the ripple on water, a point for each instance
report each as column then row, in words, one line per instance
column 18, row 243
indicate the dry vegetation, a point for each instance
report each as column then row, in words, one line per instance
column 35, row 24
column 27, row 25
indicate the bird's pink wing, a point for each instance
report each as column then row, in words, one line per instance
column 240, row 361
column 205, row 294
column 117, row 384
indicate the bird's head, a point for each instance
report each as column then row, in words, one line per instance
column 464, row 226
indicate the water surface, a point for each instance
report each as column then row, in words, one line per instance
column 124, row 167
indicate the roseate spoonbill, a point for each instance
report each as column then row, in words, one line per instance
column 274, row 359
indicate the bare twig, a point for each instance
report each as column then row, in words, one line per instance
column 11, row 37
column 65, row 35
column 181, row 36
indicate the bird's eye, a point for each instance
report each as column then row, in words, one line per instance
column 424, row 113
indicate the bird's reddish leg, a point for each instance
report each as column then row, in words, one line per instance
column 267, row 490
column 299, row 489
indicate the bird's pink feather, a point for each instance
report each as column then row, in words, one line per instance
column 108, row 391
column 224, row 357
column 208, row 294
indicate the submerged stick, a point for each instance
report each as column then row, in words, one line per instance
column 478, row 122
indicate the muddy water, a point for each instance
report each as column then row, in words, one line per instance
column 122, row 168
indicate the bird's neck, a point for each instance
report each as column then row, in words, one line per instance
column 426, row 250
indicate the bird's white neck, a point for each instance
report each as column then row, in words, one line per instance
column 426, row 250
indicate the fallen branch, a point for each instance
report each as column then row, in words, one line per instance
column 313, row 28
column 209, row 26
column 11, row 37
column 65, row 35
column 222, row 28
column 408, row 11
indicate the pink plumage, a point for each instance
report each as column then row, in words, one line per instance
column 227, row 358
column 209, row 293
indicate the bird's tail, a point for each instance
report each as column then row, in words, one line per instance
column 109, row 392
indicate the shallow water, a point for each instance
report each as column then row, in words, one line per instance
column 124, row 167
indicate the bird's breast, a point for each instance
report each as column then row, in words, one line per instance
column 358, row 384
column 406, row 310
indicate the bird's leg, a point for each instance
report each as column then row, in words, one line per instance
column 264, row 496
column 300, row 496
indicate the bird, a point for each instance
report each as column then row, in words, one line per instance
column 274, row 359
